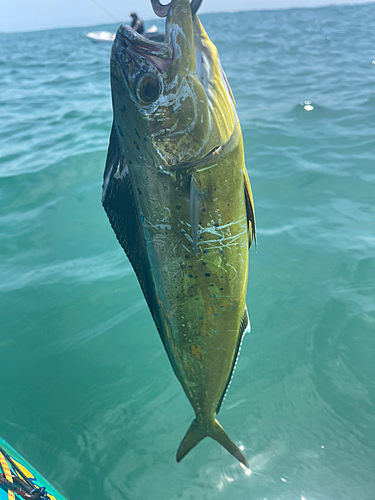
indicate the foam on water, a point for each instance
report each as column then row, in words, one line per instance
column 90, row 398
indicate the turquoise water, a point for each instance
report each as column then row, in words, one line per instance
column 88, row 396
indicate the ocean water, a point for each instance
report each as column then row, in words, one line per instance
column 88, row 396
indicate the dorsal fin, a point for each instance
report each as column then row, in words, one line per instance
column 119, row 202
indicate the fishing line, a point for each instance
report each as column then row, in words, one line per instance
column 104, row 9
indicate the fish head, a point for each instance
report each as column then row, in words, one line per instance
column 171, row 101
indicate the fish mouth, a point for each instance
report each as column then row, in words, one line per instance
column 158, row 53
column 178, row 41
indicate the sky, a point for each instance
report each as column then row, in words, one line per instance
column 31, row 15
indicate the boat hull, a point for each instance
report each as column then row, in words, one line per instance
column 27, row 469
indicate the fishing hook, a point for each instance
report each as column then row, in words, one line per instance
column 162, row 10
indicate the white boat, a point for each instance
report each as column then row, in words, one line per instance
column 106, row 36
column 101, row 36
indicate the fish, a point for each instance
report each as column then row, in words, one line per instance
column 178, row 197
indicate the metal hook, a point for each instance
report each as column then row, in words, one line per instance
column 162, row 10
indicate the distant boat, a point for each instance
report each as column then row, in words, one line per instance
column 106, row 36
column 101, row 36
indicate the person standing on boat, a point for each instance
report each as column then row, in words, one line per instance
column 137, row 23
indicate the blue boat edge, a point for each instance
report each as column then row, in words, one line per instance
column 47, row 491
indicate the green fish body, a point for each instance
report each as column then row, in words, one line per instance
column 177, row 194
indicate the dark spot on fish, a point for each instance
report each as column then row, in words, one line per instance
column 221, row 251
column 190, row 276
column 200, row 333
column 197, row 298
column 212, row 296
column 217, row 348
column 216, row 315
column 120, row 131
column 190, row 267
column 202, row 317
column 123, row 109
column 214, row 189
column 221, row 288
column 139, row 191
column 136, row 133
column 211, row 285
column 135, row 144
column 183, row 231
column 216, row 225
column 165, row 188
column 130, row 162
column 204, row 263
column 178, row 207
column 145, row 139
column 205, row 251
column 207, row 274
column 186, row 256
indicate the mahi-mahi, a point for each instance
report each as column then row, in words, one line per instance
column 178, row 197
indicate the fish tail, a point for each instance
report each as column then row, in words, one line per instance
column 194, row 435
column 199, row 430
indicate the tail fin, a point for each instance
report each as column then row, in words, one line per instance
column 199, row 430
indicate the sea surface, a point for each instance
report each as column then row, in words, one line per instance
column 87, row 393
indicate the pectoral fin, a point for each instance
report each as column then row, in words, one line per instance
column 195, row 211
column 249, row 209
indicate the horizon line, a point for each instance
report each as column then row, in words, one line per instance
column 202, row 14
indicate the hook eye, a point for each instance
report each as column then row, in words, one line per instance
column 162, row 10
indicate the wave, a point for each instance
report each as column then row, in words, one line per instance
column 83, row 270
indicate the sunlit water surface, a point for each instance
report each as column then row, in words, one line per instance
column 88, row 395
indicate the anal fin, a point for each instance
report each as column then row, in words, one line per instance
column 244, row 328
column 249, row 208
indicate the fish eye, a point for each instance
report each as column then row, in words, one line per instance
column 148, row 88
